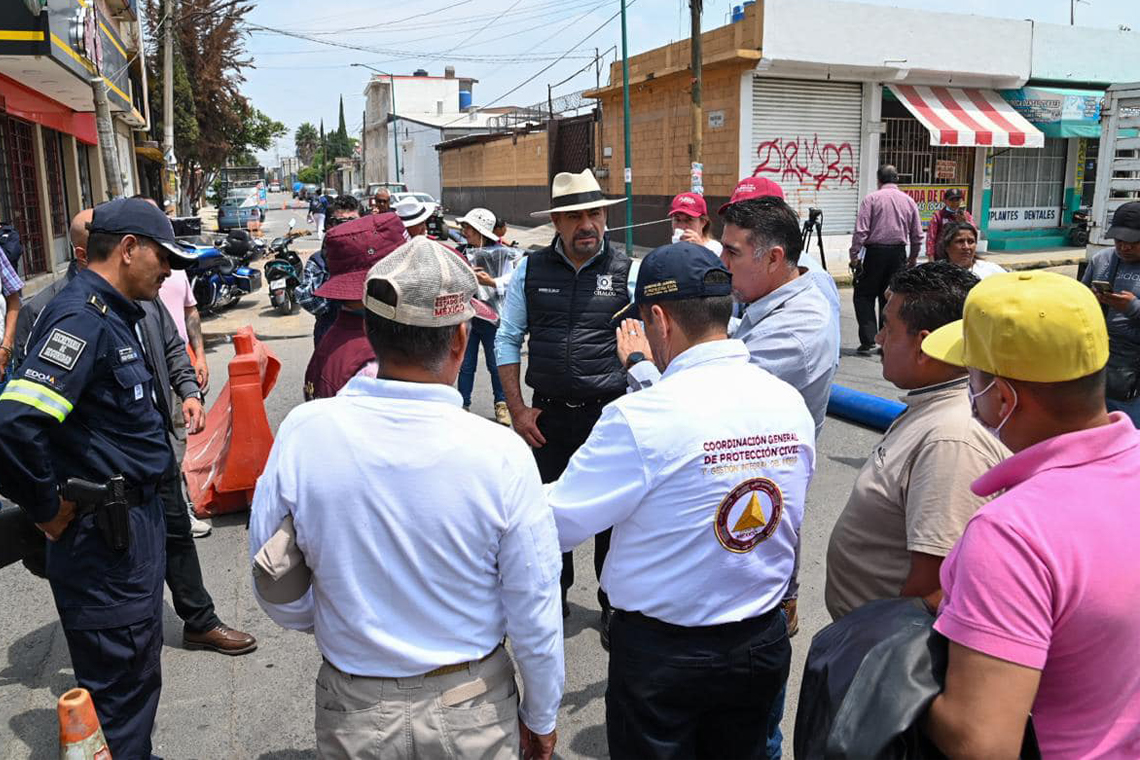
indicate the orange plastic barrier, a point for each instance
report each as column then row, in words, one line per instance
column 80, row 736
column 224, row 460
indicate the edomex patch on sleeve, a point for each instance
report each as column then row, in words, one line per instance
column 62, row 349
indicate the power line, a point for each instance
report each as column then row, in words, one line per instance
column 507, row 61
column 496, row 40
column 387, row 22
column 392, row 27
column 544, row 40
column 541, row 71
column 485, row 26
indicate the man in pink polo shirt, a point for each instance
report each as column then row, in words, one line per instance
column 1042, row 592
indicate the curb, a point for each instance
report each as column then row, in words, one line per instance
column 844, row 279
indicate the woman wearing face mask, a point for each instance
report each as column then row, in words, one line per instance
column 958, row 244
column 690, row 217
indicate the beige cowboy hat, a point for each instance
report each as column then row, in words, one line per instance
column 576, row 192
column 482, row 220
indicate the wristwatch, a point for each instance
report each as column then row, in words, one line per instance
column 633, row 359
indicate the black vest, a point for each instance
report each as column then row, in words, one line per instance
column 573, row 352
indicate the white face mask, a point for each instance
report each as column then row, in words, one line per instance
column 995, row 432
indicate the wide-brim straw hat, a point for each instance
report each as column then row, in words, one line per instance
column 576, row 192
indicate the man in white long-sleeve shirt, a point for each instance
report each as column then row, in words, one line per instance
column 702, row 478
column 428, row 537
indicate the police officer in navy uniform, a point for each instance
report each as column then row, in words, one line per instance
column 83, row 448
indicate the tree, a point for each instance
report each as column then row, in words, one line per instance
column 340, row 144
column 306, row 139
column 310, row 175
column 210, row 43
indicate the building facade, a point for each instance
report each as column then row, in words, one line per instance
column 1010, row 116
column 422, row 99
column 50, row 165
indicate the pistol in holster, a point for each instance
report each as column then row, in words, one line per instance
column 108, row 502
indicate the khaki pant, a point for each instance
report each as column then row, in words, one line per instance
column 470, row 713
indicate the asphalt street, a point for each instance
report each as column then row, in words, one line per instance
column 261, row 705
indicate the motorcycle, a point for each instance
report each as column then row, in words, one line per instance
column 283, row 271
column 241, row 246
column 1079, row 229
column 218, row 279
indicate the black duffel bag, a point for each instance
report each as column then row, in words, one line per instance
column 869, row 679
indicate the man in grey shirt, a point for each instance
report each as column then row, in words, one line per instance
column 1114, row 276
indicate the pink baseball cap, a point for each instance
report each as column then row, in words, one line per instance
column 690, row 204
column 753, row 187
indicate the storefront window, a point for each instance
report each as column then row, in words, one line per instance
column 57, row 189
column 85, row 194
column 906, row 146
column 1029, row 178
column 1092, row 150
column 22, row 192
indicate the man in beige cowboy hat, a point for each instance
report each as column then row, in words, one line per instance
column 564, row 295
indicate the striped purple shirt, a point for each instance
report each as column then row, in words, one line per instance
column 888, row 216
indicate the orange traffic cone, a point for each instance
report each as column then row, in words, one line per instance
column 80, row 737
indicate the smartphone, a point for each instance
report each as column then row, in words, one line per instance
column 1104, row 287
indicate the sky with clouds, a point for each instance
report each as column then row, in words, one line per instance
column 300, row 75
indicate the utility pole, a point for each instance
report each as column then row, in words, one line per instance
column 170, row 187
column 697, row 147
column 395, row 125
column 598, row 83
column 106, row 131
column 625, row 119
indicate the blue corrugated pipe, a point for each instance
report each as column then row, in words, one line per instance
column 864, row 408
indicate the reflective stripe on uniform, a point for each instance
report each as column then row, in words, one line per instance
column 39, row 397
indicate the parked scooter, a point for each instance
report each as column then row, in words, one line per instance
column 218, row 279
column 283, row 271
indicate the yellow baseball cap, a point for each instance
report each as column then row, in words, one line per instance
column 1039, row 327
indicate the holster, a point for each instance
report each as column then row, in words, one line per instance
column 108, row 502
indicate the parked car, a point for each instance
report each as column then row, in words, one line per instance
column 331, row 192
column 238, row 208
column 308, row 191
column 274, row 187
column 437, row 228
column 393, row 187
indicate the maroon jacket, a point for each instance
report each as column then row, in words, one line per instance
column 343, row 350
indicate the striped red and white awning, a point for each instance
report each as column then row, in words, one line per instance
column 962, row 116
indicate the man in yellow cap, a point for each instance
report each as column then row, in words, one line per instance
column 1042, row 590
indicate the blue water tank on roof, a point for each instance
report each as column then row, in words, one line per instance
column 464, row 100
column 737, row 13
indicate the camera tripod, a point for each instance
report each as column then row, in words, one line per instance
column 814, row 224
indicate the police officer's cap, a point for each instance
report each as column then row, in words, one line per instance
column 676, row 272
column 135, row 216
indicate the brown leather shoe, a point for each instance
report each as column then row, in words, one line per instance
column 222, row 639
column 789, row 606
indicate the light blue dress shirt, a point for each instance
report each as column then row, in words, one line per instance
column 513, row 317
column 793, row 333
column 411, row 570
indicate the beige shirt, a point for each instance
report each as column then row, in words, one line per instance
column 912, row 495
